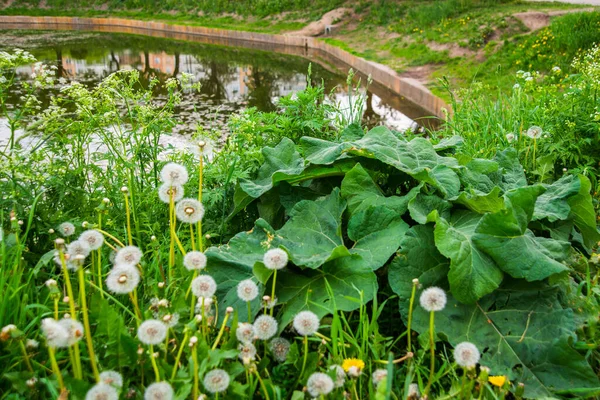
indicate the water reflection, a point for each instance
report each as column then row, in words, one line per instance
column 231, row 78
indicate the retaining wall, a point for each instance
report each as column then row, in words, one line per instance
column 382, row 75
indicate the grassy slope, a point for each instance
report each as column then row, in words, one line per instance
column 459, row 39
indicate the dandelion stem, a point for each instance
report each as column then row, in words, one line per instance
column 410, row 311
column 249, row 312
column 195, row 371
column 154, row 366
column 193, row 302
column 56, row 307
column 138, row 313
column 432, row 349
column 55, row 368
column 172, row 233
column 192, row 237
column 200, row 181
column 221, row 331
column 77, row 357
column 25, row 356
column 127, row 213
column 262, row 384
column 99, row 258
column 305, row 341
column 273, row 291
column 86, row 324
column 117, row 241
column 179, row 353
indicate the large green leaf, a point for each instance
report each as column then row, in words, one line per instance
column 422, row 208
column 313, row 234
column 486, row 203
column 377, row 233
column 582, row 213
column 504, row 236
column 309, row 289
column 513, row 175
column 361, row 192
column 523, row 333
column 232, row 263
column 323, row 152
column 473, row 274
column 553, row 204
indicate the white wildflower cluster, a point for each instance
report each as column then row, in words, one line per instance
column 15, row 58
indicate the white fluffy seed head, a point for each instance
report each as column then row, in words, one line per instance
column 535, row 132
column 247, row 351
column 73, row 328
column 245, row 332
column 112, row 378
column 128, row 255
column 174, row 174
column 159, row 391
column 66, row 229
column 319, row 384
column 340, row 375
column 466, row 355
column 247, row 290
column 152, row 331
column 433, row 299
column 102, row 391
column 194, row 260
column 280, row 348
column 413, row 391
column 204, row 286
column 189, row 211
column 123, row 279
column 56, row 335
column 93, row 238
column 78, row 248
column 378, row 376
column 165, row 191
column 207, row 301
column 275, row 259
column 265, row 327
column 306, row 323
column 216, row 381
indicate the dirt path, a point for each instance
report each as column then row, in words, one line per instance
column 588, row 2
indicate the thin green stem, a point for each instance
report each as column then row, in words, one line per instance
column 262, row 384
column 55, row 368
column 25, row 356
column 432, row 348
column 273, row 292
column 195, row 371
column 127, row 213
column 86, row 325
column 249, row 312
column 154, row 366
column 77, row 372
column 179, row 353
column 410, row 311
column 214, row 346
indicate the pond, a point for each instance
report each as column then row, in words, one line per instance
column 232, row 78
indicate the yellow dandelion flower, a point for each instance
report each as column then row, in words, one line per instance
column 353, row 362
column 499, row 380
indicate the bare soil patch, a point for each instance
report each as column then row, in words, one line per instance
column 317, row 28
column 535, row 20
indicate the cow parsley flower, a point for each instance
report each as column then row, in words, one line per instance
column 159, row 391
column 204, row 286
column 535, row 132
column 433, row 299
column 189, row 211
column 247, row 351
column 93, row 238
column 112, row 378
column 152, row 331
column 216, row 381
column 340, row 375
column 319, row 384
column 378, row 376
column 66, row 229
column 128, row 255
column 165, row 191
column 306, row 323
column 280, row 348
column 247, row 290
column 174, row 174
column 102, row 391
column 466, row 355
column 245, row 332
column 194, row 260
column 275, row 259
column 73, row 328
column 56, row 335
column 123, row 279
column 265, row 327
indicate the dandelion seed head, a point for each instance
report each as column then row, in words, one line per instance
column 32, row 344
column 413, row 391
column 510, row 137
column 51, row 283
column 73, row 328
column 31, row 382
column 194, row 260
column 245, row 332
column 78, row 248
column 433, row 299
column 159, row 391
column 165, row 191
column 247, row 351
column 340, row 375
column 128, row 255
column 174, row 174
column 466, row 355
column 280, row 348
column 171, row 319
column 102, row 391
column 204, row 286
column 55, row 334
column 319, row 384
column 123, row 279
column 93, row 238
column 306, row 323
column 265, row 327
column 378, row 376
column 112, row 378
column 66, row 229
column 152, row 331
column 189, row 211
column 247, row 290
column 354, row 371
column 216, row 381
column 275, row 259
column 535, row 132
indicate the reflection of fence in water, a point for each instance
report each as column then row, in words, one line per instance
column 411, row 99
